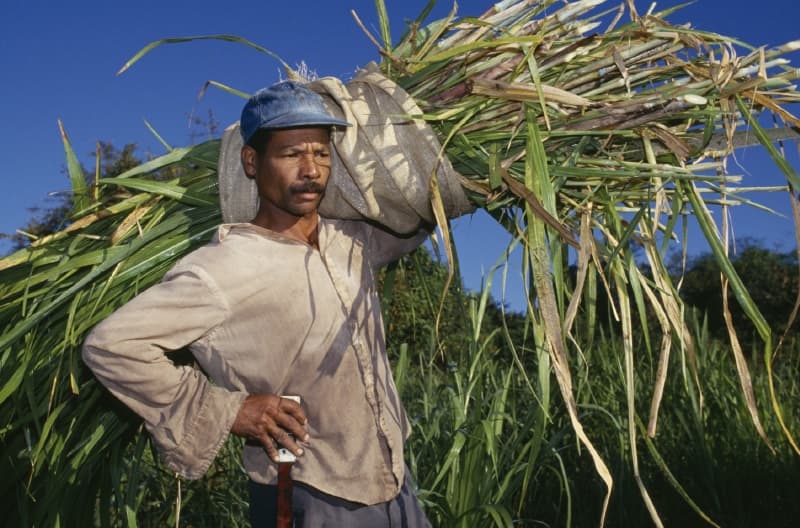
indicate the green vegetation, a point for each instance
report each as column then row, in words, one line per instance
column 771, row 277
column 492, row 443
column 109, row 162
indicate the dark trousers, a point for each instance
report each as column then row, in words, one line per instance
column 314, row 509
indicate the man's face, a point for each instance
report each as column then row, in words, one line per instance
column 292, row 172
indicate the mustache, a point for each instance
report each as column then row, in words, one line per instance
column 307, row 187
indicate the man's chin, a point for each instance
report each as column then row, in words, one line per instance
column 305, row 209
column 307, row 202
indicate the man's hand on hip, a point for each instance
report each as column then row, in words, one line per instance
column 270, row 419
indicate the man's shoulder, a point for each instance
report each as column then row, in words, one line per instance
column 352, row 228
column 225, row 252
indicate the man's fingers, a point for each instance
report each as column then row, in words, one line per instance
column 269, row 446
column 287, row 440
column 292, row 418
column 275, row 438
column 289, row 423
column 294, row 409
column 274, row 422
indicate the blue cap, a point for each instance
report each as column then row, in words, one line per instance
column 286, row 104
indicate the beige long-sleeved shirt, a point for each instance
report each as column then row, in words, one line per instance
column 263, row 313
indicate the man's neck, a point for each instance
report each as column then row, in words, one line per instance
column 303, row 229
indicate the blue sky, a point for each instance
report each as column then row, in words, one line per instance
column 58, row 60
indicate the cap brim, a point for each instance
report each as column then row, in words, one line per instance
column 300, row 119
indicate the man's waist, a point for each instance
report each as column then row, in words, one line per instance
column 373, row 477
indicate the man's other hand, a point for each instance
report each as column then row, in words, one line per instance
column 270, row 419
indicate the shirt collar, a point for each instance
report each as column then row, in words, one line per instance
column 224, row 230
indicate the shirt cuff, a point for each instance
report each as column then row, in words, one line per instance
column 192, row 457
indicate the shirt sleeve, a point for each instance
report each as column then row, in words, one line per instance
column 384, row 247
column 188, row 417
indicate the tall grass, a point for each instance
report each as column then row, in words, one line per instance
column 493, row 446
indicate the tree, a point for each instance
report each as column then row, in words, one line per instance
column 113, row 161
column 48, row 220
column 413, row 303
column 769, row 275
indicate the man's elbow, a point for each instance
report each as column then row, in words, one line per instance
column 94, row 350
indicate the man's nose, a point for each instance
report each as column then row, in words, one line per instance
column 308, row 166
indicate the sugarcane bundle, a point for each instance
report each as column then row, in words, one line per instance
column 62, row 444
column 567, row 125
column 604, row 138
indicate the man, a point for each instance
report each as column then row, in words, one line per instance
column 283, row 305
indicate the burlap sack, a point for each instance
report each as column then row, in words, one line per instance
column 381, row 167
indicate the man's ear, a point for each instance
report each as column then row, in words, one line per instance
column 249, row 155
